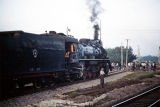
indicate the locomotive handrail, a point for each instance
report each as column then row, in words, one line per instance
column 94, row 59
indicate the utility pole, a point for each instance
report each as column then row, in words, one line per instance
column 127, row 54
column 159, row 56
column 138, row 54
column 121, row 55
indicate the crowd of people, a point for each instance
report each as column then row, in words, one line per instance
column 145, row 66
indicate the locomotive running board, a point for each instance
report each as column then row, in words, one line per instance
column 94, row 59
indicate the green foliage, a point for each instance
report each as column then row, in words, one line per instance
column 106, row 99
column 149, row 58
column 139, row 76
column 146, row 76
column 114, row 54
column 73, row 94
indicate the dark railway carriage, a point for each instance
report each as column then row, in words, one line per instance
column 26, row 57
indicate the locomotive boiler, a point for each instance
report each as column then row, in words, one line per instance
column 93, row 56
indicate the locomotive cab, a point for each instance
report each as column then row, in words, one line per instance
column 71, row 50
column 72, row 56
column 74, row 53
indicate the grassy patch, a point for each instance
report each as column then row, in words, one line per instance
column 138, row 76
column 106, row 99
column 157, row 73
column 72, row 94
column 146, row 76
column 96, row 91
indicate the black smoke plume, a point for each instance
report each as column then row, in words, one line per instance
column 95, row 9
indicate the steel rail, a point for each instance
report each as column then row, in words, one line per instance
column 132, row 98
column 154, row 103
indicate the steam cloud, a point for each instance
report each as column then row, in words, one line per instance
column 95, row 9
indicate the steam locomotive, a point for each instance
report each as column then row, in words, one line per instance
column 43, row 58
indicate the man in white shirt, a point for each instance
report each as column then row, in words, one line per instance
column 102, row 77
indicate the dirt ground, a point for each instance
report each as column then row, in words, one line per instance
column 117, row 87
column 128, row 91
column 117, row 90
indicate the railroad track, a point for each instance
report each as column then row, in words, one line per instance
column 149, row 98
column 30, row 89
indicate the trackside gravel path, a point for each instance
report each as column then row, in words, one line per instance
column 42, row 98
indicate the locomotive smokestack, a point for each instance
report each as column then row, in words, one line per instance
column 96, row 31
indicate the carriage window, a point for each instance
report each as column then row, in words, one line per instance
column 72, row 48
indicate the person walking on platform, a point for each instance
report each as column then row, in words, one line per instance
column 102, row 77
column 154, row 66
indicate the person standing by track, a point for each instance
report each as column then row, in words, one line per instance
column 102, row 77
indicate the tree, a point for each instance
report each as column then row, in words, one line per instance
column 149, row 58
column 114, row 54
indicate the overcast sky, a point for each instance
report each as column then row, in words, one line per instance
column 136, row 20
